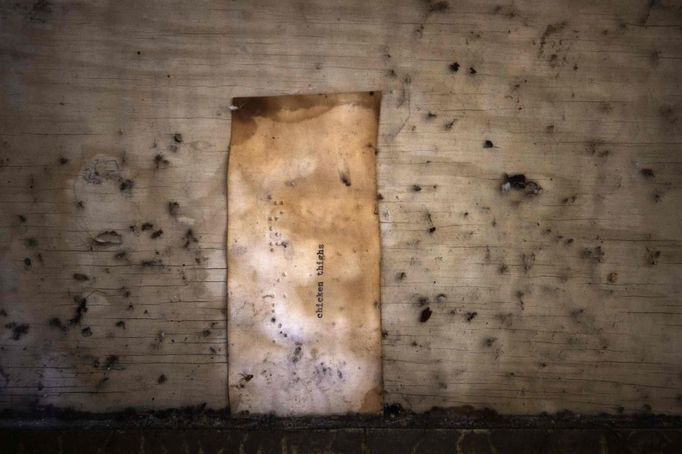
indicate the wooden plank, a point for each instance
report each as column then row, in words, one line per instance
column 575, row 290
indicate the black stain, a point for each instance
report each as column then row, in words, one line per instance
column 595, row 254
column 55, row 322
column 81, row 308
column 112, row 362
column 438, row 7
column 173, row 208
column 345, row 178
column 528, row 261
column 652, row 256
column 126, row 185
column 549, row 31
column 297, row 353
column 160, row 161
column 519, row 182
column 189, row 238
column 425, row 315
column 40, row 11
column 151, row 263
column 18, row 330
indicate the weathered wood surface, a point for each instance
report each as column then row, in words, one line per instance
column 566, row 299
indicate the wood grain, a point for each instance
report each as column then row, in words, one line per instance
column 114, row 112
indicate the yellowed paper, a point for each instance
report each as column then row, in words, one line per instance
column 303, row 249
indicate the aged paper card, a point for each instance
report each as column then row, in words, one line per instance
column 304, row 329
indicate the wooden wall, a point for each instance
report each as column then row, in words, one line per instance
column 562, row 293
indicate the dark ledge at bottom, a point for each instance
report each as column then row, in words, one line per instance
column 394, row 417
column 346, row 440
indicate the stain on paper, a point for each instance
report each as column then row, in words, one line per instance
column 303, row 255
